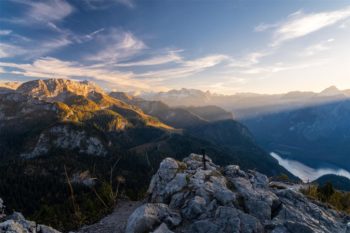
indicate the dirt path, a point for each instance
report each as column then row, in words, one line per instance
column 116, row 221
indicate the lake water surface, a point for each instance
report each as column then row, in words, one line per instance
column 307, row 173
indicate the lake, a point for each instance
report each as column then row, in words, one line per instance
column 307, row 173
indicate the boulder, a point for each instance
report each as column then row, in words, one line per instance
column 159, row 187
column 148, row 216
column 195, row 207
column 204, row 226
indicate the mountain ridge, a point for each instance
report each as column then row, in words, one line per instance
column 246, row 105
column 60, row 134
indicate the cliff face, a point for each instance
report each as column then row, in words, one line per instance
column 185, row 198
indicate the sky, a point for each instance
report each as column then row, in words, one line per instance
column 262, row 46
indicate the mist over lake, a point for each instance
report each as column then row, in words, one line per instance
column 307, row 173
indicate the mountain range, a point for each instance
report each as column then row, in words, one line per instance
column 54, row 129
column 309, row 127
column 247, row 105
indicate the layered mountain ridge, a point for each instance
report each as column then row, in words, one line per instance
column 53, row 129
column 246, row 105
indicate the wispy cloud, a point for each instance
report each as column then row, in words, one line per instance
column 249, row 60
column 300, row 24
column 187, row 68
column 345, row 24
column 317, row 48
column 5, row 32
column 171, row 56
column 103, row 4
column 265, row 26
column 18, row 45
column 32, row 49
column 51, row 67
column 279, row 67
column 72, row 36
column 118, row 45
column 8, row 50
column 42, row 12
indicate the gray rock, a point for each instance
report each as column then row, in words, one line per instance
column 234, row 171
column 256, row 199
column 186, row 198
column 258, row 180
column 163, row 228
column 177, row 200
column 158, row 188
column 16, row 223
column 148, row 216
column 176, row 184
column 195, row 162
column 227, row 219
column 168, row 169
column 46, row 229
column 204, row 226
column 225, row 196
column 195, row 207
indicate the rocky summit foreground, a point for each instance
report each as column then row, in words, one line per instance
column 183, row 197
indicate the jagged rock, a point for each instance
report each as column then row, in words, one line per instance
column 230, row 219
column 195, row 207
column 166, row 181
column 204, row 226
column 46, row 229
column 233, row 171
column 258, row 180
column 195, row 161
column 299, row 213
column 255, row 199
column 148, row 216
column 228, row 200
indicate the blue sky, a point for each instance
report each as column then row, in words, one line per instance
column 265, row 46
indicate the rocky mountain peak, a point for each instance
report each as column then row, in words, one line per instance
column 122, row 96
column 331, row 91
column 58, row 89
column 10, row 85
column 183, row 197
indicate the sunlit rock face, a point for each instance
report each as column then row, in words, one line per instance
column 184, row 197
column 58, row 89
